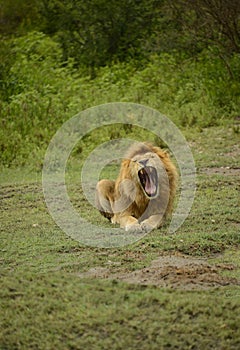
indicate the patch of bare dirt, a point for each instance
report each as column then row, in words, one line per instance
column 227, row 171
column 172, row 271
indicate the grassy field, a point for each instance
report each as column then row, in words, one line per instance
column 179, row 291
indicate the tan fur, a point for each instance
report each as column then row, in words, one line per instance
column 124, row 200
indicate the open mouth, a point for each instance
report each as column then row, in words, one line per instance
column 149, row 180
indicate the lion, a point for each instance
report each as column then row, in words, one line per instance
column 142, row 195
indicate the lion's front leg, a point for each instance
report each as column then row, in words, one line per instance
column 154, row 221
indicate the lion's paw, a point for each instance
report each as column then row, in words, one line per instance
column 133, row 228
column 146, row 226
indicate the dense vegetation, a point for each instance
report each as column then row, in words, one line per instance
column 60, row 57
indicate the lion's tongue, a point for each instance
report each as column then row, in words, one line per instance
column 150, row 187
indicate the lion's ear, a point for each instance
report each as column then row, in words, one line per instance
column 125, row 163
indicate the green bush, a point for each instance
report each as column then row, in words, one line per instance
column 39, row 92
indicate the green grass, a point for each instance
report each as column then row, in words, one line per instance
column 59, row 311
column 45, row 304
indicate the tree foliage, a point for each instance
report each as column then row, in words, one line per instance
column 212, row 22
column 98, row 32
column 17, row 16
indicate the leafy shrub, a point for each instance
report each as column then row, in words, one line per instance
column 39, row 92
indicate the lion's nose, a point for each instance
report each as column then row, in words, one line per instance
column 143, row 162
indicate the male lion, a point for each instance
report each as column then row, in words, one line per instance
column 143, row 194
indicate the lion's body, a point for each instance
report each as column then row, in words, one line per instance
column 144, row 191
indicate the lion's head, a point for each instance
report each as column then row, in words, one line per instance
column 152, row 174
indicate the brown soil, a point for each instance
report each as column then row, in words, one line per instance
column 227, row 171
column 172, row 271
